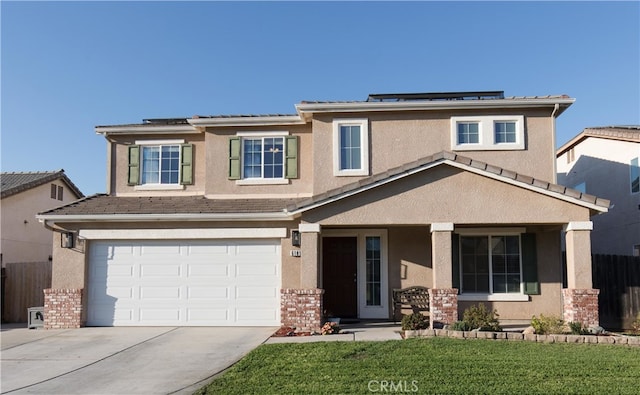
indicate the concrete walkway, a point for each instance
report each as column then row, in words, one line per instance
column 121, row 360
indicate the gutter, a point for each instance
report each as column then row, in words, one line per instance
column 553, row 143
column 278, row 216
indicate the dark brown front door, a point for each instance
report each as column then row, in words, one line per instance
column 339, row 269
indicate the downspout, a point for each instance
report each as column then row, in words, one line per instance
column 556, row 107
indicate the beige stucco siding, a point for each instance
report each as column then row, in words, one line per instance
column 217, row 160
column 120, row 166
column 447, row 194
column 399, row 138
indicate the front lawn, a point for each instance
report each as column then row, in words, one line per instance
column 434, row 365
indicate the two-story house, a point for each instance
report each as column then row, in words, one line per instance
column 281, row 219
column 604, row 161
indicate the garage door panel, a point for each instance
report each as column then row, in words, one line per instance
column 184, row 282
column 208, row 269
column 208, row 293
column 156, row 270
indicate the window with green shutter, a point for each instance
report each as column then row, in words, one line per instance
column 160, row 164
column 269, row 158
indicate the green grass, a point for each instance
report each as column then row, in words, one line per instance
column 434, row 366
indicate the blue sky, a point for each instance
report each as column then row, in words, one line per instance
column 69, row 66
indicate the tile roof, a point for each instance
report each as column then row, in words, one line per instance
column 630, row 133
column 443, row 157
column 102, row 204
column 15, row 182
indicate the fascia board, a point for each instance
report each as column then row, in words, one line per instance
column 304, row 108
column 166, row 217
column 247, row 121
column 146, row 129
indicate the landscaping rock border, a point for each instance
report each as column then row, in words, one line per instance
column 517, row 336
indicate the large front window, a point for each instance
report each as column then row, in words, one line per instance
column 490, row 264
column 263, row 157
column 160, row 164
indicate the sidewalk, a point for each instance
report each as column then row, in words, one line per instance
column 364, row 331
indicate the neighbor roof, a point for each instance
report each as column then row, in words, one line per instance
column 12, row 183
column 630, row 133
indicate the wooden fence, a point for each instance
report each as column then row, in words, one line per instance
column 23, row 288
column 618, row 279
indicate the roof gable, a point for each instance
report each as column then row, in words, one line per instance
column 448, row 158
column 16, row 182
column 630, row 133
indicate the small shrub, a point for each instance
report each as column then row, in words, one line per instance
column 478, row 317
column 547, row 325
column 460, row 326
column 577, row 328
column 414, row 321
column 635, row 326
column 329, row 328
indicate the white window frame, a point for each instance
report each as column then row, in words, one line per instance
column 158, row 186
column 363, row 123
column 486, row 133
column 260, row 181
column 492, row 297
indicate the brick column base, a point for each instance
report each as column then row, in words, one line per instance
column 62, row 308
column 443, row 305
column 301, row 309
column 581, row 305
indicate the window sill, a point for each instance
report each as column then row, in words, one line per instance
column 351, row 173
column 263, row 181
column 158, row 187
column 487, row 147
column 493, row 297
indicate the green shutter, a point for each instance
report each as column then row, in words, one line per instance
column 529, row 264
column 291, row 157
column 455, row 260
column 134, row 165
column 186, row 164
column 234, row 158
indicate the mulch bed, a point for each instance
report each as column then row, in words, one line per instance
column 286, row 331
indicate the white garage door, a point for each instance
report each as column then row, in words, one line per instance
column 184, row 283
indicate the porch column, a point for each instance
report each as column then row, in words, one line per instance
column 301, row 308
column 443, row 297
column 580, row 300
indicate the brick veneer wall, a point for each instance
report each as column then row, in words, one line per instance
column 301, row 309
column 581, row 305
column 443, row 305
column 62, row 308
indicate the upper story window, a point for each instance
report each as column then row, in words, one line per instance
column 263, row 158
column 500, row 132
column 634, row 175
column 351, row 147
column 57, row 192
column 163, row 164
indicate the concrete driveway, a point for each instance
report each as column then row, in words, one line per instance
column 122, row 360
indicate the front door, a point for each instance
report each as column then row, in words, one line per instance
column 339, row 274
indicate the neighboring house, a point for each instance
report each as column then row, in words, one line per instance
column 603, row 161
column 283, row 219
column 24, row 194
